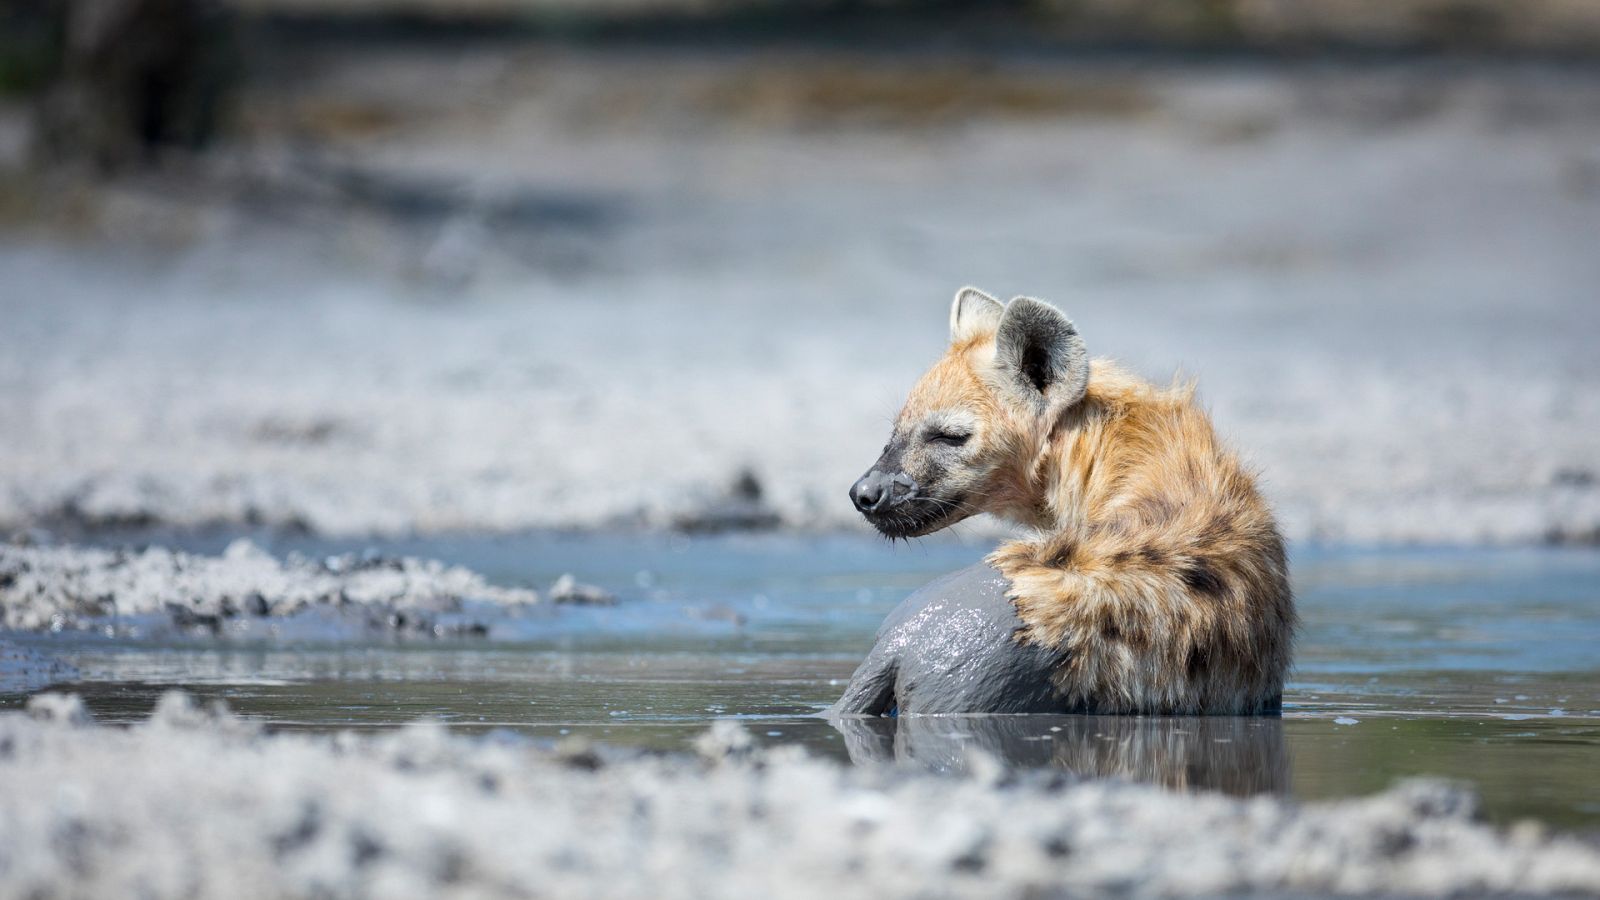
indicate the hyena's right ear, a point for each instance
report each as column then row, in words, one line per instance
column 1039, row 358
column 973, row 313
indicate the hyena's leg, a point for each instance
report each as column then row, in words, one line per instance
column 872, row 688
column 1152, row 622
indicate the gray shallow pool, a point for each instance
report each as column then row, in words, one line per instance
column 1481, row 665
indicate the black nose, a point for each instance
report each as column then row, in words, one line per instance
column 871, row 491
column 877, row 491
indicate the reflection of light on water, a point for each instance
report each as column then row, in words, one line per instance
column 1235, row 755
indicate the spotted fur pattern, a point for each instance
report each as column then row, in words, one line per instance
column 1151, row 557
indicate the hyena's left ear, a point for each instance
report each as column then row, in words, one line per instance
column 1039, row 357
column 973, row 313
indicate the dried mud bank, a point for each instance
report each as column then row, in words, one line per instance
column 197, row 802
column 608, row 284
column 246, row 592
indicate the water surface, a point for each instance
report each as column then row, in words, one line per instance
column 1479, row 665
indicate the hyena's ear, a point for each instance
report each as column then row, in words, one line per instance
column 1039, row 357
column 973, row 313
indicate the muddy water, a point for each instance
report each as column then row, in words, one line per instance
column 1480, row 665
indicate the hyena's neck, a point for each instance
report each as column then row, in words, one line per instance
column 1100, row 452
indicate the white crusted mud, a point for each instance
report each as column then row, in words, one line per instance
column 199, row 803
column 248, row 592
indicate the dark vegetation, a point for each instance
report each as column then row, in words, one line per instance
column 121, row 83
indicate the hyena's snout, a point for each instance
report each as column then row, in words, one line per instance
column 878, row 491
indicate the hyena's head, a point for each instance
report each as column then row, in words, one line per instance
column 976, row 421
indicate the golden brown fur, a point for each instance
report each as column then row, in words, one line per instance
column 1153, row 561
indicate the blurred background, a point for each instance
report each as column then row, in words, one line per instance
column 356, row 267
column 540, row 287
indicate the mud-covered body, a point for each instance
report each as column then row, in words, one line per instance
column 950, row 647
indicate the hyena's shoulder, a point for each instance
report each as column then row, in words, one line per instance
column 1166, row 583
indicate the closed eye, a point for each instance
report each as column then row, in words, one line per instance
column 948, row 438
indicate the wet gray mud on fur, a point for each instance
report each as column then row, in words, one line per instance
column 949, row 648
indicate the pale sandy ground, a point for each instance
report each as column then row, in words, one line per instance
column 639, row 275
column 154, row 810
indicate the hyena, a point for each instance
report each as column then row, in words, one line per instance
column 1151, row 564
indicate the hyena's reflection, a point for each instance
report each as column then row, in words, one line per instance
column 1232, row 754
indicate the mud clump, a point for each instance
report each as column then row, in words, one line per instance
column 44, row 588
column 568, row 590
column 196, row 802
column 741, row 507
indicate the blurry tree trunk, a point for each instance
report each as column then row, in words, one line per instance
column 136, row 77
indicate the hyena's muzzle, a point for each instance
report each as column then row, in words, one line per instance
column 876, row 493
column 896, row 503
